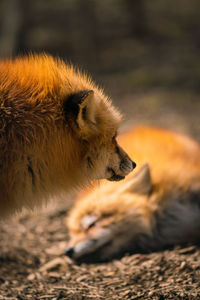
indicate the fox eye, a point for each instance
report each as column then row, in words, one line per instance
column 89, row 221
column 92, row 224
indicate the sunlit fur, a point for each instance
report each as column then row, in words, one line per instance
column 42, row 153
column 165, row 209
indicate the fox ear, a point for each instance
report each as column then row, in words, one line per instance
column 140, row 183
column 81, row 107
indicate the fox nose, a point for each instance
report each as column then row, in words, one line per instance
column 133, row 165
column 69, row 252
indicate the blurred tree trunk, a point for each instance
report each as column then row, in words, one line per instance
column 26, row 15
column 10, row 26
column 137, row 18
column 88, row 29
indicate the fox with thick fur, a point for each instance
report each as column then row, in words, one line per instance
column 154, row 208
column 57, row 132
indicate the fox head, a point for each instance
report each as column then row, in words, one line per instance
column 110, row 220
column 94, row 123
column 61, row 125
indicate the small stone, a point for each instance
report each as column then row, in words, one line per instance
column 31, row 277
column 182, row 266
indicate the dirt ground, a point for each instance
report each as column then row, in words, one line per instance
column 32, row 264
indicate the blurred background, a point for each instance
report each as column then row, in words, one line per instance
column 144, row 53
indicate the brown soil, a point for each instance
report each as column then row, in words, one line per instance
column 32, row 264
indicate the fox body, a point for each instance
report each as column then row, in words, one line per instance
column 154, row 208
column 57, row 132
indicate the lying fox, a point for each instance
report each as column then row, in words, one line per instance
column 57, row 132
column 154, row 208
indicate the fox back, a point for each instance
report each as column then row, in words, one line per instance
column 156, row 207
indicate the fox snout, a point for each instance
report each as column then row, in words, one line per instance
column 88, row 244
column 125, row 166
column 81, row 249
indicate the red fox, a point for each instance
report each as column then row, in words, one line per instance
column 154, row 208
column 57, row 132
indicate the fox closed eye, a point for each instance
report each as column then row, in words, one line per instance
column 89, row 221
column 92, row 224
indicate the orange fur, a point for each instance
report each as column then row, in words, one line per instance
column 43, row 151
column 147, row 210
